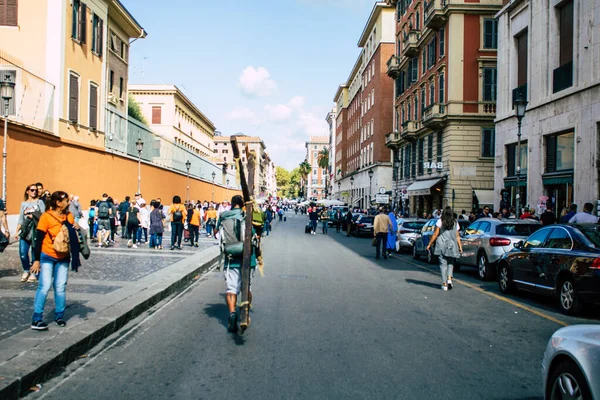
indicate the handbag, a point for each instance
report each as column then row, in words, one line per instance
column 3, row 241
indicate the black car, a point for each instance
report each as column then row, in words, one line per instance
column 557, row 260
column 363, row 225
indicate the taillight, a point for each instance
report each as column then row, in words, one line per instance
column 361, row 225
column 595, row 264
column 496, row 241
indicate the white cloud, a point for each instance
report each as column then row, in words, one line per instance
column 297, row 102
column 312, row 125
column 241, row 113
column 257, row 82
column 278, row 113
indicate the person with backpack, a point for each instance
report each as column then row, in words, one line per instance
column 52, row 254
column 132, row 221
column 92, row 219
column 194, row 224
column 123, row 207
column 178, row 215
column 210, row 219
column 268, row 219
column 448, row 248
column 156, row 225
column 232, row 226
column 104, row 213
column 29, row 214
column 280, row 214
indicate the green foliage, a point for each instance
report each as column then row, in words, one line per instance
column 134, row 110
column 283, row 177
column 323, row 158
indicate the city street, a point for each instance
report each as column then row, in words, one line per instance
column 328, row 321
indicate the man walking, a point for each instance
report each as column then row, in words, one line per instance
column 348, row 222
column 381, row 227
column 338, row 220
column 104, row 214
column 548, row 217
column 314, row 218
column 123, row 207
column 324, row 216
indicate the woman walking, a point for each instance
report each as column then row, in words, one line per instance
column 156, row 226
column 29, row 214
column 51, row 261
column 133, row 223
column 392, row 234
column 178, row 215
column 211, row 220
column 448, row 247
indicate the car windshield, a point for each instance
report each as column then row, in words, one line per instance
column 593, row 234
column 517, row 229
column 413, row 225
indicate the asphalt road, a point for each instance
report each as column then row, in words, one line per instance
column 329, row 321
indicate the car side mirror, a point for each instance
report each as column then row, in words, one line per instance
column 518, row 245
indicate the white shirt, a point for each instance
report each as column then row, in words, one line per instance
column 583, row 217
column 438, row 223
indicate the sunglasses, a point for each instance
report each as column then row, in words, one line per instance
column 33, row 189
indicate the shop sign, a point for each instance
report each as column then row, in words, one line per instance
column 433, row 165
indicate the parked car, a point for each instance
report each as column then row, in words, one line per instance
column 333, row 211
column 363, row 225
column 570, row 365
column 422, row 240
column 408, row 231
column 562, row 261
column 487, row 239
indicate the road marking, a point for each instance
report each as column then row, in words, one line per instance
column 494, row 295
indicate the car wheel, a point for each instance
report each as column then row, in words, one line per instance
column 430, row 256
column 505, row 279
column 415, row 253
column 568, row 297
column 567, row 382
column 483, row 267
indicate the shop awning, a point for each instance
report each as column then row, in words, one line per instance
column 422, row 188
column 513, row 183
column 558, row 179
column 485, row 197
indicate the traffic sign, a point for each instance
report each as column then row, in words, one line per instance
column 382, row 190
column 382, row 198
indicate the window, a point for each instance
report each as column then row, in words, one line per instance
column 563, row 75
column 156, row 115
column 97, row 33
column 522, row 59
column 431, row 53
column 111, row 80
column 488, row 142
column 560, row 151
column 225, row 151
column 418, row 21
column 400, row 83
column 408, row 111
column 511, row 151
column 442, row 41
column 559, row 239
column 12, row 75
column 79, row 21
column 429, row 150
column 420, row 149
column 121, row 88
column 490, row 33
column 414, row 69
column 372, row 97
column 537, row 239
column 8, row 12
column 123, row 50
column 439, row 148
column 489, row 84
column 416, row 107
column 431, row 92
column 73, row 98
column 93, row 123
column 441, row 88
column 423, row 97
column 424, row 61
column 413, row 157
column 407, row 161
column 215, row 151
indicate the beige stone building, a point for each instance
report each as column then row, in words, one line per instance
column 317, row 180
column 172, row 114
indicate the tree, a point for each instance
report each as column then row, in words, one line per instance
column 282, row 176
column 134, row 110
column 305, row 170
column 323, row 158
column 295, row 185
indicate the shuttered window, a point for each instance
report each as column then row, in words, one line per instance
column 78, row 21
column 73, row 98
column 442, row 41
column 97, row 31
column 522, row 59
column 512, row 162
column 420, row 149
column 441, row 88
column 488, row 142
column 8, row 12
column 83, row 23
column 93, row 107
column 439, row 147
column 121, row 88
column 560, row 152
column 111, row 81
column 429, row 151
column 489, row 84
column 156, row 115
column 490, row 34
column 12, row 76
column 414, row 159
column 566, row 33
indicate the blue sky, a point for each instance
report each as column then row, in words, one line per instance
column 261, row 67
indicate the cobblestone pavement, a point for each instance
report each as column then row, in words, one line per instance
column 107, row 270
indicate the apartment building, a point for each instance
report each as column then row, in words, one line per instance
column 224, row 153
column 444, row 71
column 173, row 115
column 317, row 180
column 364, row 112
column 549, row 56
column 331, row 123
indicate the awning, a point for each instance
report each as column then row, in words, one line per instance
column 557, row 179
column 422, row 188
column 485, row 197
column 513, row 182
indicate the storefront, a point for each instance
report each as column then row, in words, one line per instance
column 558, row 187
column 426, row 195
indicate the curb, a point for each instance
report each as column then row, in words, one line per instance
column 36, row 365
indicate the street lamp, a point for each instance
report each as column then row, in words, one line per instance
column 188, row 165
column 520, row 104
column 139, row 145
column 351, row 191
column 339, row 190
column 213, row 186
column 370, row 179
column 7, row 91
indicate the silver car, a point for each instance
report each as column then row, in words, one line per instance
column 571, row 363
column 487, row 239
column 408, row 231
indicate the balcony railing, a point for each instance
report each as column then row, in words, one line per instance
column 393, row 66
column 562, row 77
column 434, row 14
column 409, row 128
column 434, row 116
column 392, row 138
column 410, row 44
column 488, row 108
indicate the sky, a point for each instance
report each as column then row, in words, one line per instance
column 259, row 67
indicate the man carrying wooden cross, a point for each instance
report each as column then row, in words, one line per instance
column 231, row 226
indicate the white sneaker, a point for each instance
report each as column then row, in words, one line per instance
column 24, row 276
column 449, row 284
column 129, row 243
column 444, row 288
column 134, row 246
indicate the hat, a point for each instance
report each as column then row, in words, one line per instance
column 141, row 201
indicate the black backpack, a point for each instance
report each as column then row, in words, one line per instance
column 178, row 215
column 103, row 210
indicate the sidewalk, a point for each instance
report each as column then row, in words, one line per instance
column 114, row 286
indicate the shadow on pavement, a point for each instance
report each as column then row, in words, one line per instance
column 218, row 311
column 423, row 283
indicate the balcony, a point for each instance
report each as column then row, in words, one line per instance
column 487, row 107
column 434, row 14
column 392, row 139
column 393, row 67
column 409, row 129
column 410, row 44
column 434, row 116
column 562, row 77
column 519, row 92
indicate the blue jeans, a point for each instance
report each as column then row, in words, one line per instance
column 26, row 254
column 209, row 229
column 325, row 226
column 176, row 233
column 156, row 239
column 267, row 227
column 54, row 273
column 142, row 232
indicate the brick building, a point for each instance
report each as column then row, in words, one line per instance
column 444, row 72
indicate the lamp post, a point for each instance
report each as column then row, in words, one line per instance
column 213, row 186
column 351, row 191
column 7, row 91
column 139, row 145
column 370, row 179
column 520, row 104
column 188, row 165
column 339, row 190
